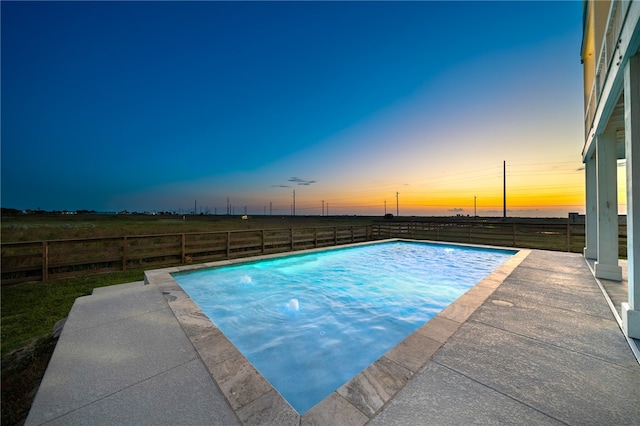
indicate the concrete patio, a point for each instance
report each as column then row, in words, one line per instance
column 538, row 345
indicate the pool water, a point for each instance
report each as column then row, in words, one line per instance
column 309, row 323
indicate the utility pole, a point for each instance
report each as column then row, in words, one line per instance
column 504, row 189
column 475, row 214
column 385, row 207
column 195, row 207
column 322, row 207
column 327, row 209
column 228, row 209
column 294, row 202
column 397, row 205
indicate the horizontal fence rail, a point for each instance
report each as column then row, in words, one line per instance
column 46, row 260
column 558, row 236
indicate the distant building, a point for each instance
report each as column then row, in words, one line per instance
column 580, row 218
column 611, row 69
column 576, row 217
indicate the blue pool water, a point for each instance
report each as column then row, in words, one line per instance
column 309, row 323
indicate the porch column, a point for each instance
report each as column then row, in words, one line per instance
column 591, row 217
column 607, row 187
column 631, row 309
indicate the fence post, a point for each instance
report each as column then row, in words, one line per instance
column 469, row 232
column 182, row 247
column 335, row 235
column 45, row 261
column 315, row 237
column 124, row 253
column 228, row 244
column 291, row 239
column 263, row 241
column 514, row 234
column 437, row 225
column 352, row 234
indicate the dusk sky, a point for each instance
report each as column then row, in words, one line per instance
column 155, row 106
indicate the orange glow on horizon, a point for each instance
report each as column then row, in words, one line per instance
column 552, row 189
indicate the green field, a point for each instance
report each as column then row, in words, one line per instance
column 54, row 227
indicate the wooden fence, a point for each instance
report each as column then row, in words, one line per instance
column 545, row 235
column 46, row 260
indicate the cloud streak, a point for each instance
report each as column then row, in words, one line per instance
column 302, row 181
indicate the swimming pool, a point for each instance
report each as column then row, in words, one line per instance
column 309, row 323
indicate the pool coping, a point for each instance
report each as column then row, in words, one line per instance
column 255, row 401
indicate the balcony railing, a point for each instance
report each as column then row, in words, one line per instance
column 610, row 45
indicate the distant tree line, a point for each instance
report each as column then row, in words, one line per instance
column 7, row 211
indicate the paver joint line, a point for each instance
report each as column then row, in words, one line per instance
column 497, row 391
column 547, row 343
